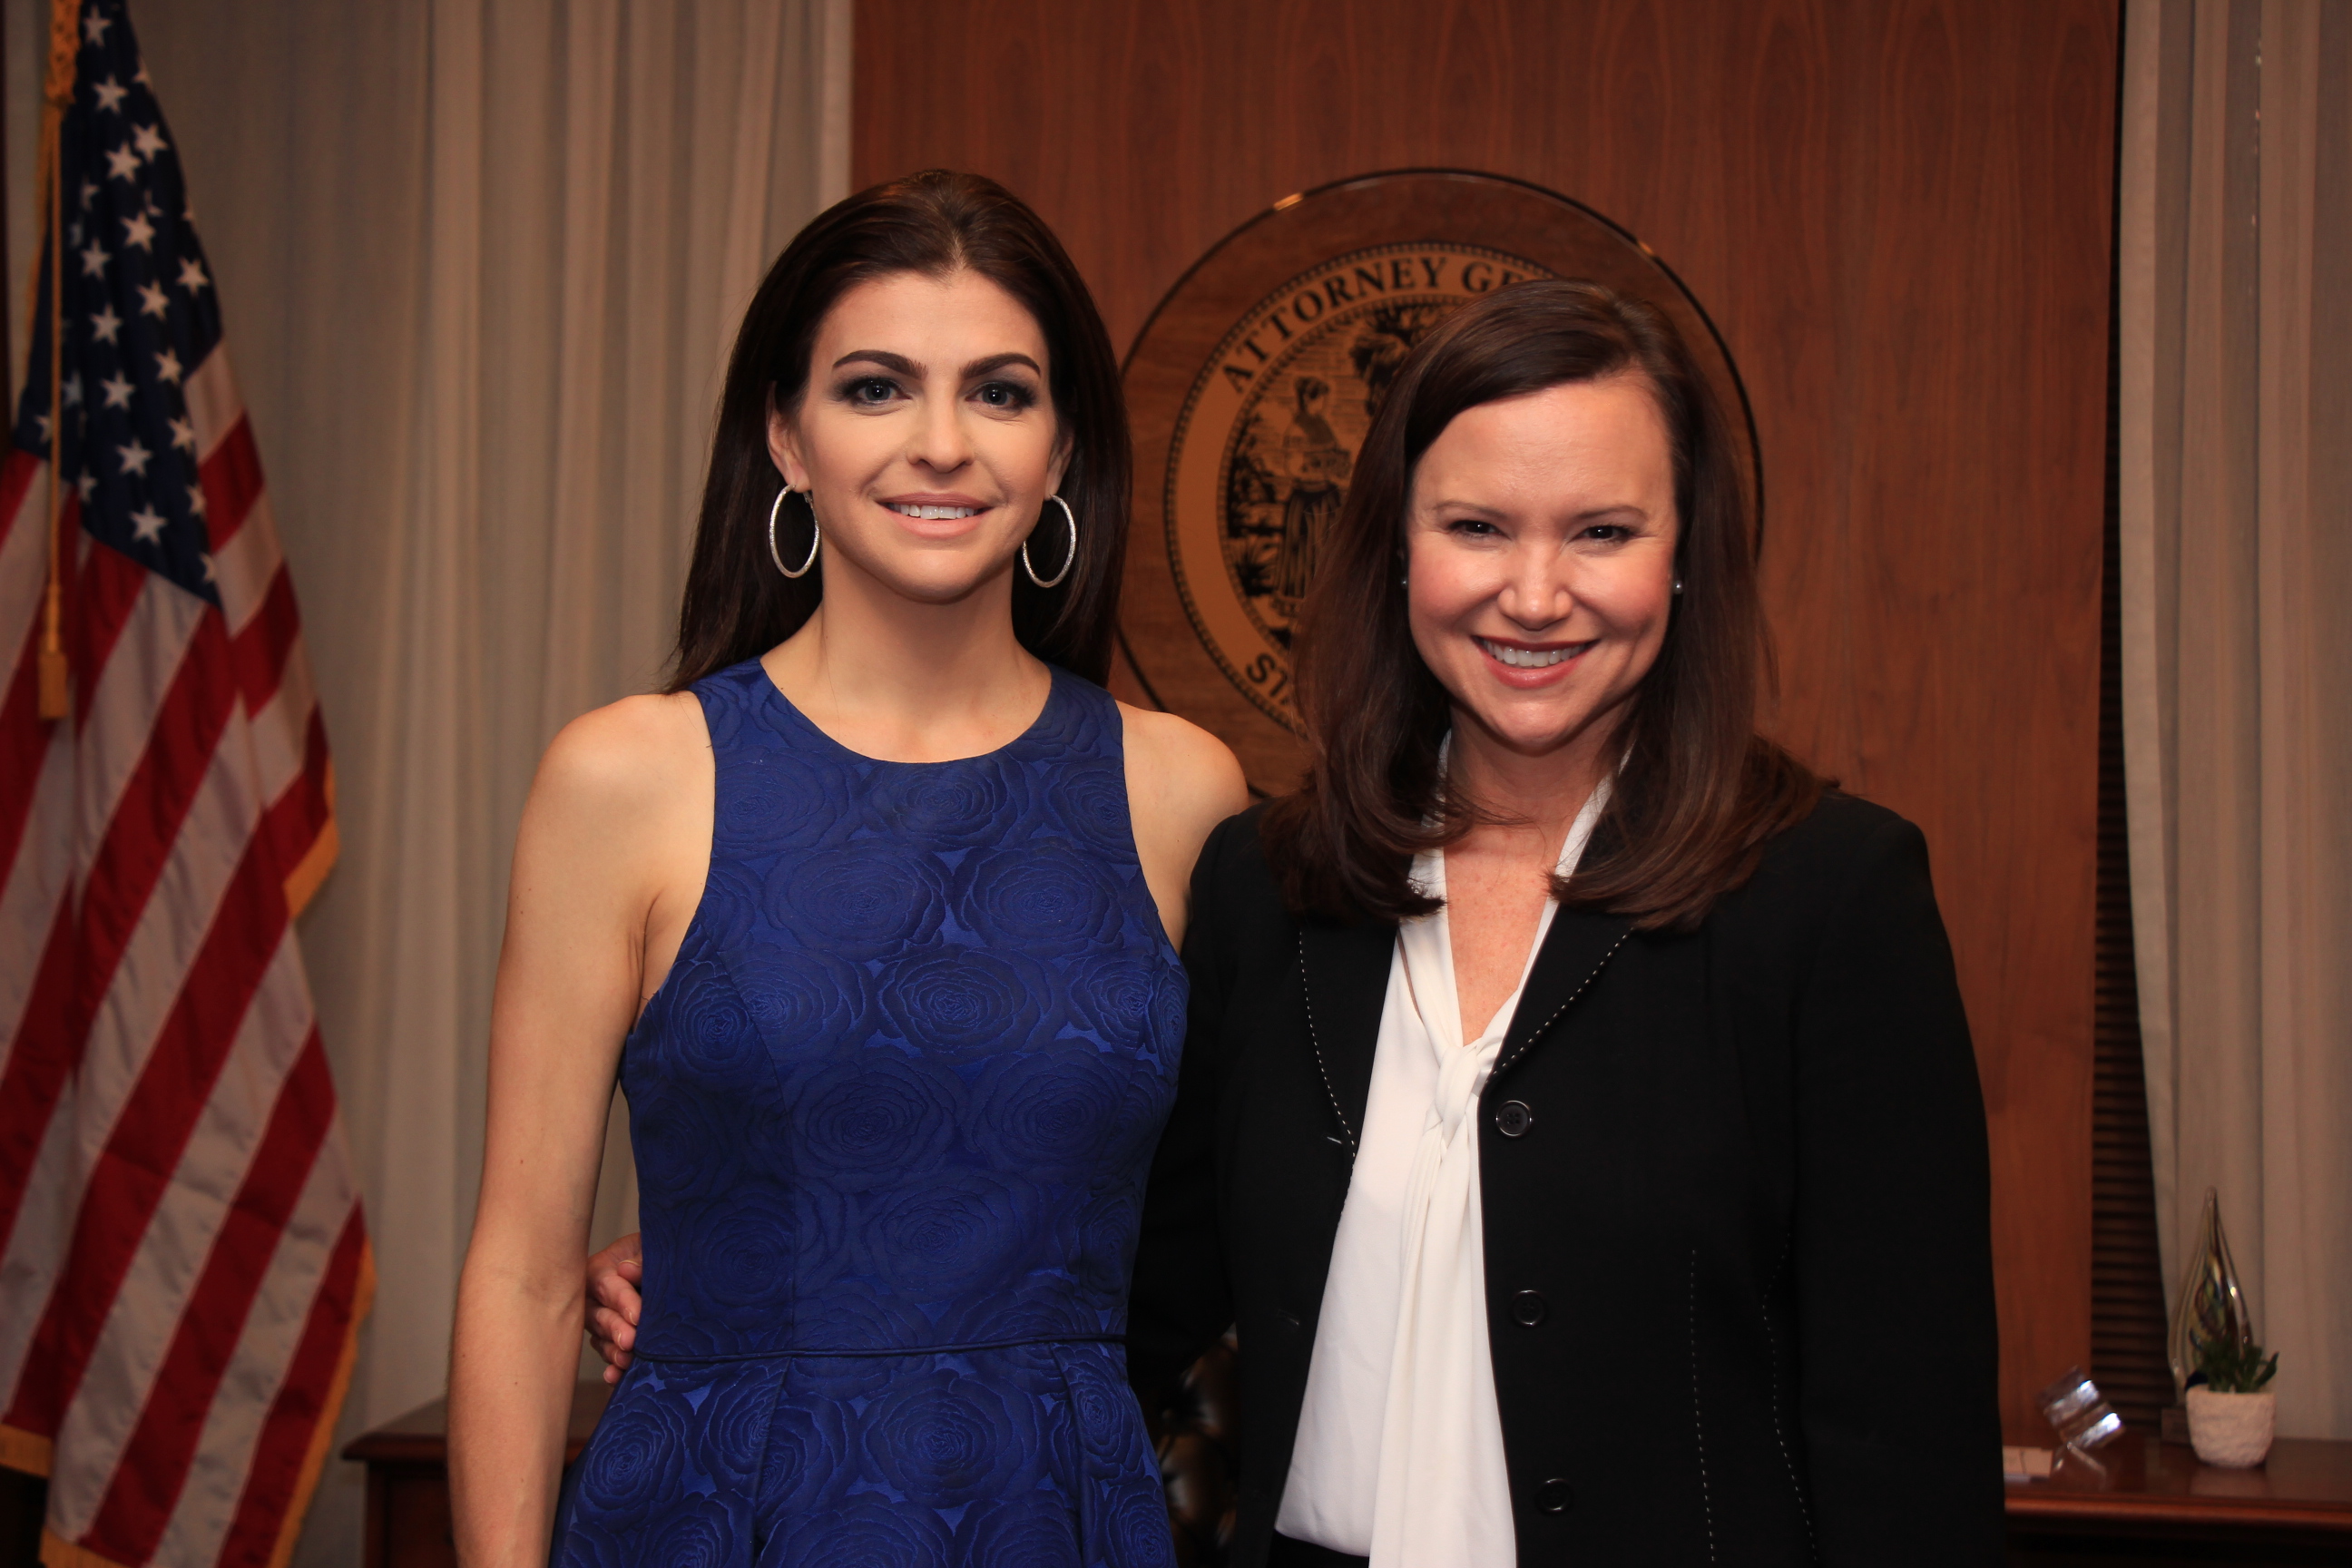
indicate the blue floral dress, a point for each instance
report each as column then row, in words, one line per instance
column 892, row 1111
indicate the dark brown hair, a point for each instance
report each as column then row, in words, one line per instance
column 1700, row 791
column 738, row 606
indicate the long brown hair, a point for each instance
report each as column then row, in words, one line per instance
column 1699, row 791
column 738, row 606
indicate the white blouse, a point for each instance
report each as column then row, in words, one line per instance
column 1399, row 1450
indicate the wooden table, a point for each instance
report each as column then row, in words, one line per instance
column 408, row 1480
column 2152, row 1503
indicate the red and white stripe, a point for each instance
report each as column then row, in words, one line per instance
column 183, row 1261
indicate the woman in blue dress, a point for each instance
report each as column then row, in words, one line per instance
column 873, row 915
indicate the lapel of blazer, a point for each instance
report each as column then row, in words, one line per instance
column 1345, row 972
column 1577, row 949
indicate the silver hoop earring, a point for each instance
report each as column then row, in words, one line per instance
column 1068, row 562
column 817, row 536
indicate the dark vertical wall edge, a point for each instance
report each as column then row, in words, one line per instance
column 2128, row 1326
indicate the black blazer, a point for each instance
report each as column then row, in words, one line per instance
column 1738, row 1265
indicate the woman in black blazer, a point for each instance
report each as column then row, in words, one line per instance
column 1730, row 1178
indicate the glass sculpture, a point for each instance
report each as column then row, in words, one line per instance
column 2210, row 1306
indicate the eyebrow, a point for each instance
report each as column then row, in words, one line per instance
column 883, row 358
column 1617, row 509
column 905, row 366
column 998, row 362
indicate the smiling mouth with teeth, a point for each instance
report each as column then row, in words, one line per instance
column 934, row 513
column 1529, row 658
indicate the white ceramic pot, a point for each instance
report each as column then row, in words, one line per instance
column 2231, row 1430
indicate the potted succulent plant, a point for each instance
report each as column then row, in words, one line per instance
column 2232, row 1413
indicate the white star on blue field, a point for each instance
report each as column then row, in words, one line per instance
column 140, row 316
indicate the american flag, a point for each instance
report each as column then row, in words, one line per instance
column 183, row 1261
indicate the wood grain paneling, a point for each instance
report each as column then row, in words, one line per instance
column 1897, row 212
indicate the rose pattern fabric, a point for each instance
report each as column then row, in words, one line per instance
column 892, row 1111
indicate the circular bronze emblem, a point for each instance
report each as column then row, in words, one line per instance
column 1251, row 389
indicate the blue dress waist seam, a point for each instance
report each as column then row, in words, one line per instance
column 792, row 1352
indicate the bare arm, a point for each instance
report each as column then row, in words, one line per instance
column 596, row 886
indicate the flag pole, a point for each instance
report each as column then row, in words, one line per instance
column 8, row 354
column 56, row 95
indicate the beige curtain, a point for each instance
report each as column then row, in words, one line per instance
column 2236, row 449
column 479, row 264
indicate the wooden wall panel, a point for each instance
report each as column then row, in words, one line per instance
column 1897, row 212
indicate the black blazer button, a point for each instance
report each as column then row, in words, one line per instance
column 1513, row 1118
column 1528, row 1309
column 1555, row 1496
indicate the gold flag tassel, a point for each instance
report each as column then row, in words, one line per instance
column 56, row 95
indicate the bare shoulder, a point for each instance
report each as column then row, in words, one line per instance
column 1179, row 774
column 629, row 763
column 1181, row 781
